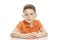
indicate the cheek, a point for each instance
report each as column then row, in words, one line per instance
column 26, row 17
column 32, row 16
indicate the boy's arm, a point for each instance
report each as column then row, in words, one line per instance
column 42, row 32
column 17, row 34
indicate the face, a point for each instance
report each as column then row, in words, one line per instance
column 29, row 15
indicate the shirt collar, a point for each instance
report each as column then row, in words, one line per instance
column 26, row 24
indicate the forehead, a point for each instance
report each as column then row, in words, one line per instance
column 29, row 11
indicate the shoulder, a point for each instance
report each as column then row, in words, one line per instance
column 20, row 23
column 36, row 21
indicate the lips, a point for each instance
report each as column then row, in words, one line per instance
column 29, row 19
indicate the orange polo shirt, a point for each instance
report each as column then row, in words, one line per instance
column 25, row 28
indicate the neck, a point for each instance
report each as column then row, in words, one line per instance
column 30, row 24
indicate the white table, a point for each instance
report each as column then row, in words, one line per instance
column 44, row 38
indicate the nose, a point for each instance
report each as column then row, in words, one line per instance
column 29, row 16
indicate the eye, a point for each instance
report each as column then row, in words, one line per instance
column 31, row 14
column 26, row 14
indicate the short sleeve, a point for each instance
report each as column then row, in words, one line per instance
column 19, row 27
column 39, row 25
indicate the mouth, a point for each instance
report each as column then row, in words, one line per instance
column 29, row 19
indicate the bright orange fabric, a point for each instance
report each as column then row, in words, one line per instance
column 25, row 28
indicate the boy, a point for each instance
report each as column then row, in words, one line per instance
column 29, row 27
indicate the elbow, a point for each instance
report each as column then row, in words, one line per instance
column 46, row 34
column 12, row 35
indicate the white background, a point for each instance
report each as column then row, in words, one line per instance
column 48, row 12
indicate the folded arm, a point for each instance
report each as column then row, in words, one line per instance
column 42, row 33
column 16, row 34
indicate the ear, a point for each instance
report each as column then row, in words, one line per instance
column 23, row 15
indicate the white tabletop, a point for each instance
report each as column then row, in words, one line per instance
column 44, row 38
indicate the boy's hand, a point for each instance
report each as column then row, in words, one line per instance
column 37, row 34
column 30, row 35
column 33, row 35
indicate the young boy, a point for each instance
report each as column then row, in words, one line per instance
column 29, row 27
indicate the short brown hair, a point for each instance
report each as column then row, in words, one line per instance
column 29, row 6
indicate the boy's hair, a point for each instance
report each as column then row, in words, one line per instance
column 29, row 6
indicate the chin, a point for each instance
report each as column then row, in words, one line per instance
column 29, row 21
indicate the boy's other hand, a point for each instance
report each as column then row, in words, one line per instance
column 33, row 35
